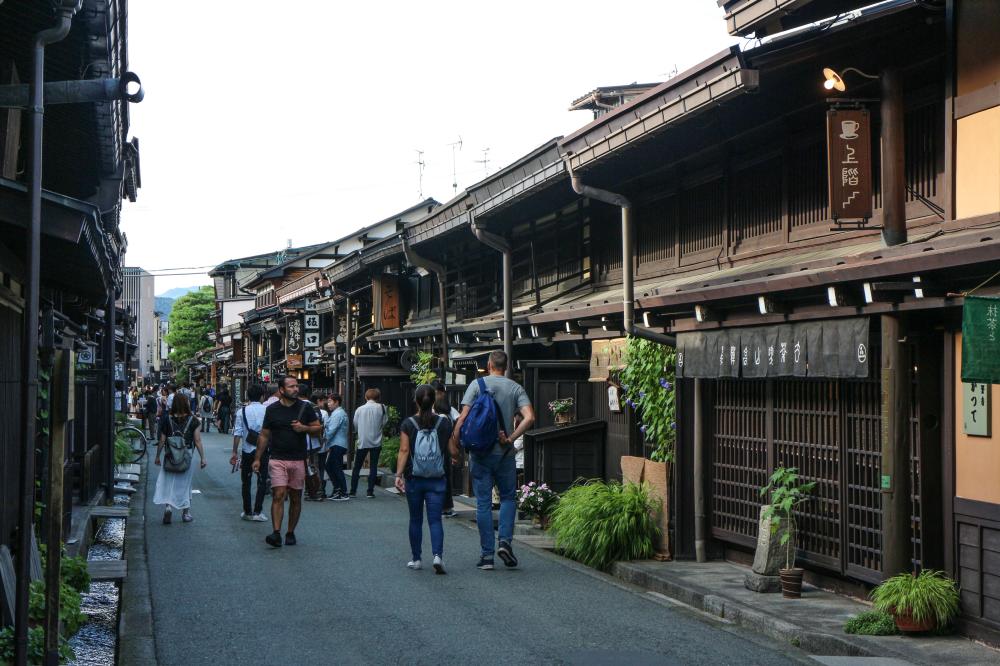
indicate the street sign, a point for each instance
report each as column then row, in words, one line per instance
column 849, row 163
column 311, row 322
column 312, row 357
column 311, row 339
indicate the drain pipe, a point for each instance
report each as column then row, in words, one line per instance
column 29, row 339
column 415, row 260
column 501, row 245
column 628, row 287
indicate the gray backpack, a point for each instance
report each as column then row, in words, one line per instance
column 428, row 463
column 178, row 457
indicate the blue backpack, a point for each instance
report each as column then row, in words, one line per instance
column 428, row 463
column 481, row 429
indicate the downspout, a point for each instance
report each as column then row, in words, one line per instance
column 415, row 260
column 628, row 287
column 501, row 245
column 29, row 339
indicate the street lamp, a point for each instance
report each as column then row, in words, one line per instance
column 834, row 81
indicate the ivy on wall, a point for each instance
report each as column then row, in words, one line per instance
column 648, row 382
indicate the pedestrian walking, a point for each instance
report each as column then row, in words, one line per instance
column 316, row 456
column 420, row 473
column 223, row 408
column 207, row 412
column 246, row 429
column 369, row 420
column 287, row 422
column 493, row 464
column 335, row 436
column 173, row 488
column 150, row 412
column 442, row 407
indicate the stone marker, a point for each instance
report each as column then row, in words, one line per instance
column 769, row 558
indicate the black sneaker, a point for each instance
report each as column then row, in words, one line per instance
column 506, row 554
column 273, row 539
column 485, row 564
column 370, row 494
column 340, row 497
column 450, row 513
column 290, row 539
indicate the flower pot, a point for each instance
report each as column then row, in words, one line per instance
column 791, row 583
column 906, row 624
column 543, row 522
column 563, row 418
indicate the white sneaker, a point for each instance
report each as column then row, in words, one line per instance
column 414, row 564
column 259, row 518
column 438, row 565
column 245, row 516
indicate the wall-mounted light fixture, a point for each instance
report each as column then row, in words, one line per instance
column 834, row 81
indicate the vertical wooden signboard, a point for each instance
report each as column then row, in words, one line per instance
column 849, row 163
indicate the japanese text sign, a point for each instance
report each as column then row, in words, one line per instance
column 976, row 409
column 849, row 163
column 981, row 339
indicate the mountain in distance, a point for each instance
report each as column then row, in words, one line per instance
column 177, row 292
column 163, row 305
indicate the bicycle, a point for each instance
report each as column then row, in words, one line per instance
column 137, row 440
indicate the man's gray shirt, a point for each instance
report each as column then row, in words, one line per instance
column 510, row 397
column 369, row 419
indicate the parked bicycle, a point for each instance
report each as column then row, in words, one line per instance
column 137, row 440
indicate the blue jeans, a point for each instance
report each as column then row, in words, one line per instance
column 501, row 470
column 431, row 491
column 335, row 468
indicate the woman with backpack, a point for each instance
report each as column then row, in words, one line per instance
column 179, row 434
column 205, row 404
column 420, row 473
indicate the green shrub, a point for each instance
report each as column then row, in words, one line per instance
column 69, row 606
column 36, row 646
column 123, row 450
column 390, row 453
column 871, row 623
column 73, row 570
column 924, row 595
column 599, row 523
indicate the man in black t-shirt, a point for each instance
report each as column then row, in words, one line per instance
column 287, row 422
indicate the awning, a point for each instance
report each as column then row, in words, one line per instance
column 834, row 348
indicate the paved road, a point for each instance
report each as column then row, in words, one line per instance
column 343, row 596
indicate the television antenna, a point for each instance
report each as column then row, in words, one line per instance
column 420, row 172
column 454, row 173
column 485, row 161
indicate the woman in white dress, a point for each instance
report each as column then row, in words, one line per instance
column 173, row 489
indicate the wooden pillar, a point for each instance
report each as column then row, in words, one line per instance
column 893, row 160
column 61, row 408
column 895, row 480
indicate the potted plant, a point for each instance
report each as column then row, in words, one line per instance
column 786, row 493
column 918, row 602
column 538, row 501
column 562, row 410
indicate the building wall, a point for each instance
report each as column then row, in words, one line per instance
column 138, row 294
column 231, row 311
column 977, row 459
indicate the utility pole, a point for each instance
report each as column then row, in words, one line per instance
column 454, row 171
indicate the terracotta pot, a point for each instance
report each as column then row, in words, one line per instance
column 791, row 583
column 906, row 623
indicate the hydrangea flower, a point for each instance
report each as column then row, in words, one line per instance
column 665, row 384
column 643, row 430
column 642, row 394
column 673, row 425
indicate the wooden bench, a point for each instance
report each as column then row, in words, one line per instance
column 109, row 512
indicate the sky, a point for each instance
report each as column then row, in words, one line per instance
column 265, row 122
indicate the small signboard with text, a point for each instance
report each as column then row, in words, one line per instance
column 293, row 343
column 849, row 163
column 981, row 339
column 606, row 356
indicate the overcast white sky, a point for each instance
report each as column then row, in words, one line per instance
column 300, row 120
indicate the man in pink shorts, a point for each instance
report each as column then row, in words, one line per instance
column 286, row 424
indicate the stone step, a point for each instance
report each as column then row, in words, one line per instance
column 130, row 468
column 123, row 489
column 129, row 478
column 107, row 570
column 540, row 541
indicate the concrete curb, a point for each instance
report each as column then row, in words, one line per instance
column 136, row 640
column 810, row 641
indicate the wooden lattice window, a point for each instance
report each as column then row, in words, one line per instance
column 755, row 200
column 656, row 225
column 703, row 217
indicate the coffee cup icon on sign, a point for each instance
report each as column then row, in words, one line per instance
column 849, row 129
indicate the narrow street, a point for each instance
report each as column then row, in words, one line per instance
column 344, row 596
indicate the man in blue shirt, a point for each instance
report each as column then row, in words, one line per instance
column 335, row 437
column 250, row 418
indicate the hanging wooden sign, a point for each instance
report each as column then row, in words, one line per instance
column 849, row 163
column 981, row 339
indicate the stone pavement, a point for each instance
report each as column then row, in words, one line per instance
column 220, row 596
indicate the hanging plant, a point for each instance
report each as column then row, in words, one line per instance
column 421, row 372
column 648, row 382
